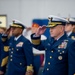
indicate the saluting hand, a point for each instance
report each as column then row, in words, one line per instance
column 29, row 73
column 1, row 72
column 40, row 30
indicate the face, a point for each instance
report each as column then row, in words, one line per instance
column 16, row 31
column 57, row 31
column 74, row 29
column 2, row 30
column 68, row 27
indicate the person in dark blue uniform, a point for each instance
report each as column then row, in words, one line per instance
column 20, row 60
column 69, row 28
column 4, row 43
column 2, row 29
column 60, row 50
column 3, row 49
column 4, row 53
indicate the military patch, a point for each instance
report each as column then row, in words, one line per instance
column 63, row 44
column 6, row 48
column 20, row 44
column 73, row 37
column 60, row 57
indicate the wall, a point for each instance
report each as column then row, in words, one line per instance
column 26, row 10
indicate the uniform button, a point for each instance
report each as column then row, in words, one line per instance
column 12, row 48
column 58, row 50
column 10, row 55
column 60, row 57
column 52, row 51
column 50, row 57
column 49, row 44
column 62, row 51
column 12, row 52
column 17, row 49
column 10, row 59
column 42, row 71
column 9, row 49
column 47, row 69
column 48, row 63
column 59, row 47
column 46, row 49
column 20, row 63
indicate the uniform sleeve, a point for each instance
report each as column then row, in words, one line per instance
column 37, row 42
column 4, row 52
column 71, row 59
column 28, row 54
column 4, row 57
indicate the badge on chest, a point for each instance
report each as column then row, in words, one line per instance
column 20, row 44
column 63, row 44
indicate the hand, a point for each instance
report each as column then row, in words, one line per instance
column 1, row 72
column 40, row 30
column 43, row 64
column 29, row 73
column 9, row 32
column 28, row 28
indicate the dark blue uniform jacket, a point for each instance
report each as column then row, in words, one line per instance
column 60, row 55
column 20, row 56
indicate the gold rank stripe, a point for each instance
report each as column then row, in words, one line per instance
column 30, row 68
column 15, row 25
column 4, row 61
column 36, row 42
column 52, row 24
